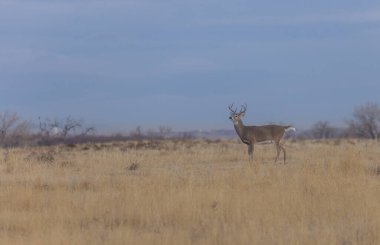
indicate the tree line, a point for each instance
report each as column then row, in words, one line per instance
column 364, row 123
column 14, row 131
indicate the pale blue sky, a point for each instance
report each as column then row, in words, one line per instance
column 119, row 64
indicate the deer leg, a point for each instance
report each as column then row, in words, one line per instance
column 283, row 149
column 250, row 152
column 278, row 148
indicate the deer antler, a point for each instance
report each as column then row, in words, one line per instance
column 232, row 110
column 243, row 108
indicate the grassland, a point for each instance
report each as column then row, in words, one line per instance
column 193, row 192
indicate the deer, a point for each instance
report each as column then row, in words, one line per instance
column 250, row 135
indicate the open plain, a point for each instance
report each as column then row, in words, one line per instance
column 191, row 192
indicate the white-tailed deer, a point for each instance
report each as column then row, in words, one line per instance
column 251, row 135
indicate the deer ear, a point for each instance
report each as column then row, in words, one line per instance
column 242, row 114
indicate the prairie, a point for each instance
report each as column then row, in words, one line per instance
column 191, row 192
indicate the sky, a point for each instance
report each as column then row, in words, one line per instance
column 117, row 64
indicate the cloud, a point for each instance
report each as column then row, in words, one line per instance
column 359, row 17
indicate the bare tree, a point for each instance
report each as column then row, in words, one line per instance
column 48, row 127
column 70, row 125
column 7, row 121
column 322, row 130
column 366, row 121
column 88, row 131
column 63, row 127
column 13, row 129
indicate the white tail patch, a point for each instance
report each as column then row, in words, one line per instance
column 290, row 129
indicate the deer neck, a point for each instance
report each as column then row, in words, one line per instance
column 239, row 127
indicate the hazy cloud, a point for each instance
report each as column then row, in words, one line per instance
column 105, row 60
column 334, row 17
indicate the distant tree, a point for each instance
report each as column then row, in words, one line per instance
column 366, row 121
column 88, row 131
column 322, row 130
column 47, row 127
column 8, row 120
column 62, row 127
column 70, row 125
column 12, row 124
column 13, row 129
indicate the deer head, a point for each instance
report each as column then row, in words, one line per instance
column 235, row 116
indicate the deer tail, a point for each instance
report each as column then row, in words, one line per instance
column 290, row 128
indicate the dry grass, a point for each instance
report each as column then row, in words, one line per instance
column 194, row 192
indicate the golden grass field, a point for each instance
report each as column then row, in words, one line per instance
column 191, row 192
